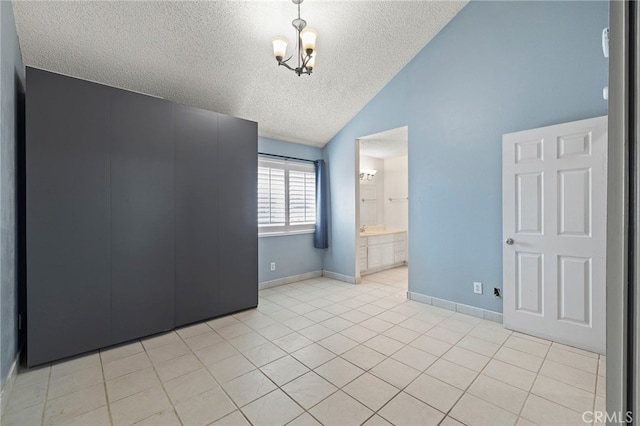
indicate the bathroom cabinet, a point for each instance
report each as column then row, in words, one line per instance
column 382, row 250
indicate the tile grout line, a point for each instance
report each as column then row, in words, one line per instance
column 106, row 393
column 475, row 378
column 46, row 394
column 214, row 378
column 7, row 411
column 424, row 372
column 530, row 392
column 567, row 384
column 164, row 389
column 152, row 365
column 261, row 396
column 595, row 393
column 446, row 414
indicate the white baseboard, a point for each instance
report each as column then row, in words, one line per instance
column 8, row 384
column 340, row 277
column 288, row 280
column 456, row 307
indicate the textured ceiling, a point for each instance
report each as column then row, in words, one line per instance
column 217, row 54
column 387, row 144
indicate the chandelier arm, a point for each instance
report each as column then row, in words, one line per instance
column 305, row 60
column 299, row 48
column 286, row 60
column 287, row 66
column 299, row 71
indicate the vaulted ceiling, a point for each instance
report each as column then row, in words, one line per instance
column 217, row 54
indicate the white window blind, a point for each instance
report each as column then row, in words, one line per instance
column 286, row 196
column 271, row 196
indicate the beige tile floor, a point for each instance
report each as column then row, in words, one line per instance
column 321, row 352
column 396, row 277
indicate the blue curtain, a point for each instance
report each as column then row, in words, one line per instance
column 321, row 236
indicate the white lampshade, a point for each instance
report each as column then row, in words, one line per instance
column 308, row 38
column 279, row 47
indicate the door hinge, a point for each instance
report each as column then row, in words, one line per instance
column 19, row 322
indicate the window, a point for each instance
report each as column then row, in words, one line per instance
column 286, row 197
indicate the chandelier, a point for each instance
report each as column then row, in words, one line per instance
column 306, row 46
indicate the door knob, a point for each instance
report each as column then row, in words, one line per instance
column 509, row 241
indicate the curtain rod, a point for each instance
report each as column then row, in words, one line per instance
column 287, row 158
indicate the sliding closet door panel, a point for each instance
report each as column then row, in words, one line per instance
column 67, row 198
column 196, row 177
column 142, row 215
column 237, row 195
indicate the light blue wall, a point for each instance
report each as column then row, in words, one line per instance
column 497, row 67
column 293, row 254
column 11, row 68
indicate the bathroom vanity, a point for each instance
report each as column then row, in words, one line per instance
column 382, row 248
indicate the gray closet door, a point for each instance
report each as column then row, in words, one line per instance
column 142, row 271
column 67, row 216
column 197, row 222
column 237, row 195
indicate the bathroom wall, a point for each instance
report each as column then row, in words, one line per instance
column 370, row 209
column 396, row 186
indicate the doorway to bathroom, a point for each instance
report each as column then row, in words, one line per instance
column 382, row 208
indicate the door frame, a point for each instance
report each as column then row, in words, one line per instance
column 623, row 239
column 356, row 260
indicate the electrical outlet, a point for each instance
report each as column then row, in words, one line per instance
column 273, row 266
column 497, row 293
column 477, row 288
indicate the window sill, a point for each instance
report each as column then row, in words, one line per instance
column 284, row 234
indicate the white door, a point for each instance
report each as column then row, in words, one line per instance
column 554, row 182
